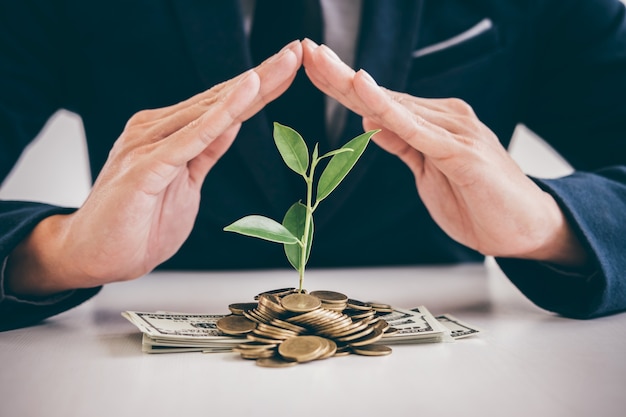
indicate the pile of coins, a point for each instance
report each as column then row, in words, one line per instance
column 286, row 327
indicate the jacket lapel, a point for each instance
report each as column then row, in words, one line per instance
column 214, row 34
column 387, row 36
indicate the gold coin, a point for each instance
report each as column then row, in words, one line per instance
column 323, row 318
column 275, row 362
column 255, row 346
column 329, row 350
column 343, row 351
column 360, row 314
column 331, row 297
column 239, row 308
column 348, row 330
column 302, row 348
column 358, row 305
column 287, row 326
column 279, row 292
column 382, row 325
column 334, row 307
column 257, row 354
column 251, row 351
column 334, row 327
column 374, row 336
column 380, row 307
column 266, row 340
column 377, row 304
column 270, row 332
column 390, row 332
column 271, row 303
column 356, row 335
column 260, row 314
column 300, row 303
column 235, row 325
column 252, row 316
column 372, row 350
column 305, row 318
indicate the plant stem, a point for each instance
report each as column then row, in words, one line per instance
column 307, row 222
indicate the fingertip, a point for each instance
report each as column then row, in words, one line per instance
column 295, row 47
column 366, row 87
column 250, row 79
column 308, row 47
column 309, row 43
column 365, row 76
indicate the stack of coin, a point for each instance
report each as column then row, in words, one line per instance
column 286, row 327
column 332, row 300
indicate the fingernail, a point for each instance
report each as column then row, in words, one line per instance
column 280, row 53
column 288, row 47
column 243, row 77
column 367, row 77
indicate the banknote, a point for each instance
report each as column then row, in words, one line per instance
column 176, row 325
column 165, row 332
column 458, row 329
column 416, row 325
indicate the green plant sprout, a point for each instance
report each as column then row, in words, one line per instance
column 296, row 230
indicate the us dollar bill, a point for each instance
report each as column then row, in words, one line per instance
column 165, row 332
column 458, row 329
column 176, row 325
column 417, row 325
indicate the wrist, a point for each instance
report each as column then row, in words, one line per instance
column 560, row 245
column 37, row 266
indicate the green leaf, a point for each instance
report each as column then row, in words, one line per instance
column 335, row 152
column 263, row 228
column 340, row 164
column 294, row 222
column 292, row 148
column 315, row 152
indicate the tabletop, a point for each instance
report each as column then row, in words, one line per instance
column 526, row 362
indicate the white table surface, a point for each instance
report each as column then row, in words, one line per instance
column 88, row 361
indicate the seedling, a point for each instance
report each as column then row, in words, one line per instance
column 296, row 230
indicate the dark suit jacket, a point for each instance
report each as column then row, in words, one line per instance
column 558, row 67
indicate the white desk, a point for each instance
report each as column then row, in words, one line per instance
column 88, row 361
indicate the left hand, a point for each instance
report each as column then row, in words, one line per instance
column 470, row 185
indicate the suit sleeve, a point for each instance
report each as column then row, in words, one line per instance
column 17, row 219
column 578, row 105
column 34, row 86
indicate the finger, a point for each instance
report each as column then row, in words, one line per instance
column 275, row 74
column 329, row 74
column 395, row 145
column 335, row 78
column 391, row 114
column 418, row 115
column 452, row 114
column 200, row 166
column 188, row 142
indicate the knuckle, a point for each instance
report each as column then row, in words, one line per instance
column 207, row 101
column 203, row 131
column 140, row 117
column 460, row 106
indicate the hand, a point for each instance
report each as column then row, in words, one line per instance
column 144, row 202
column 472, row 188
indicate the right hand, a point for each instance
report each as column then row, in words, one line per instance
column 144, row 202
